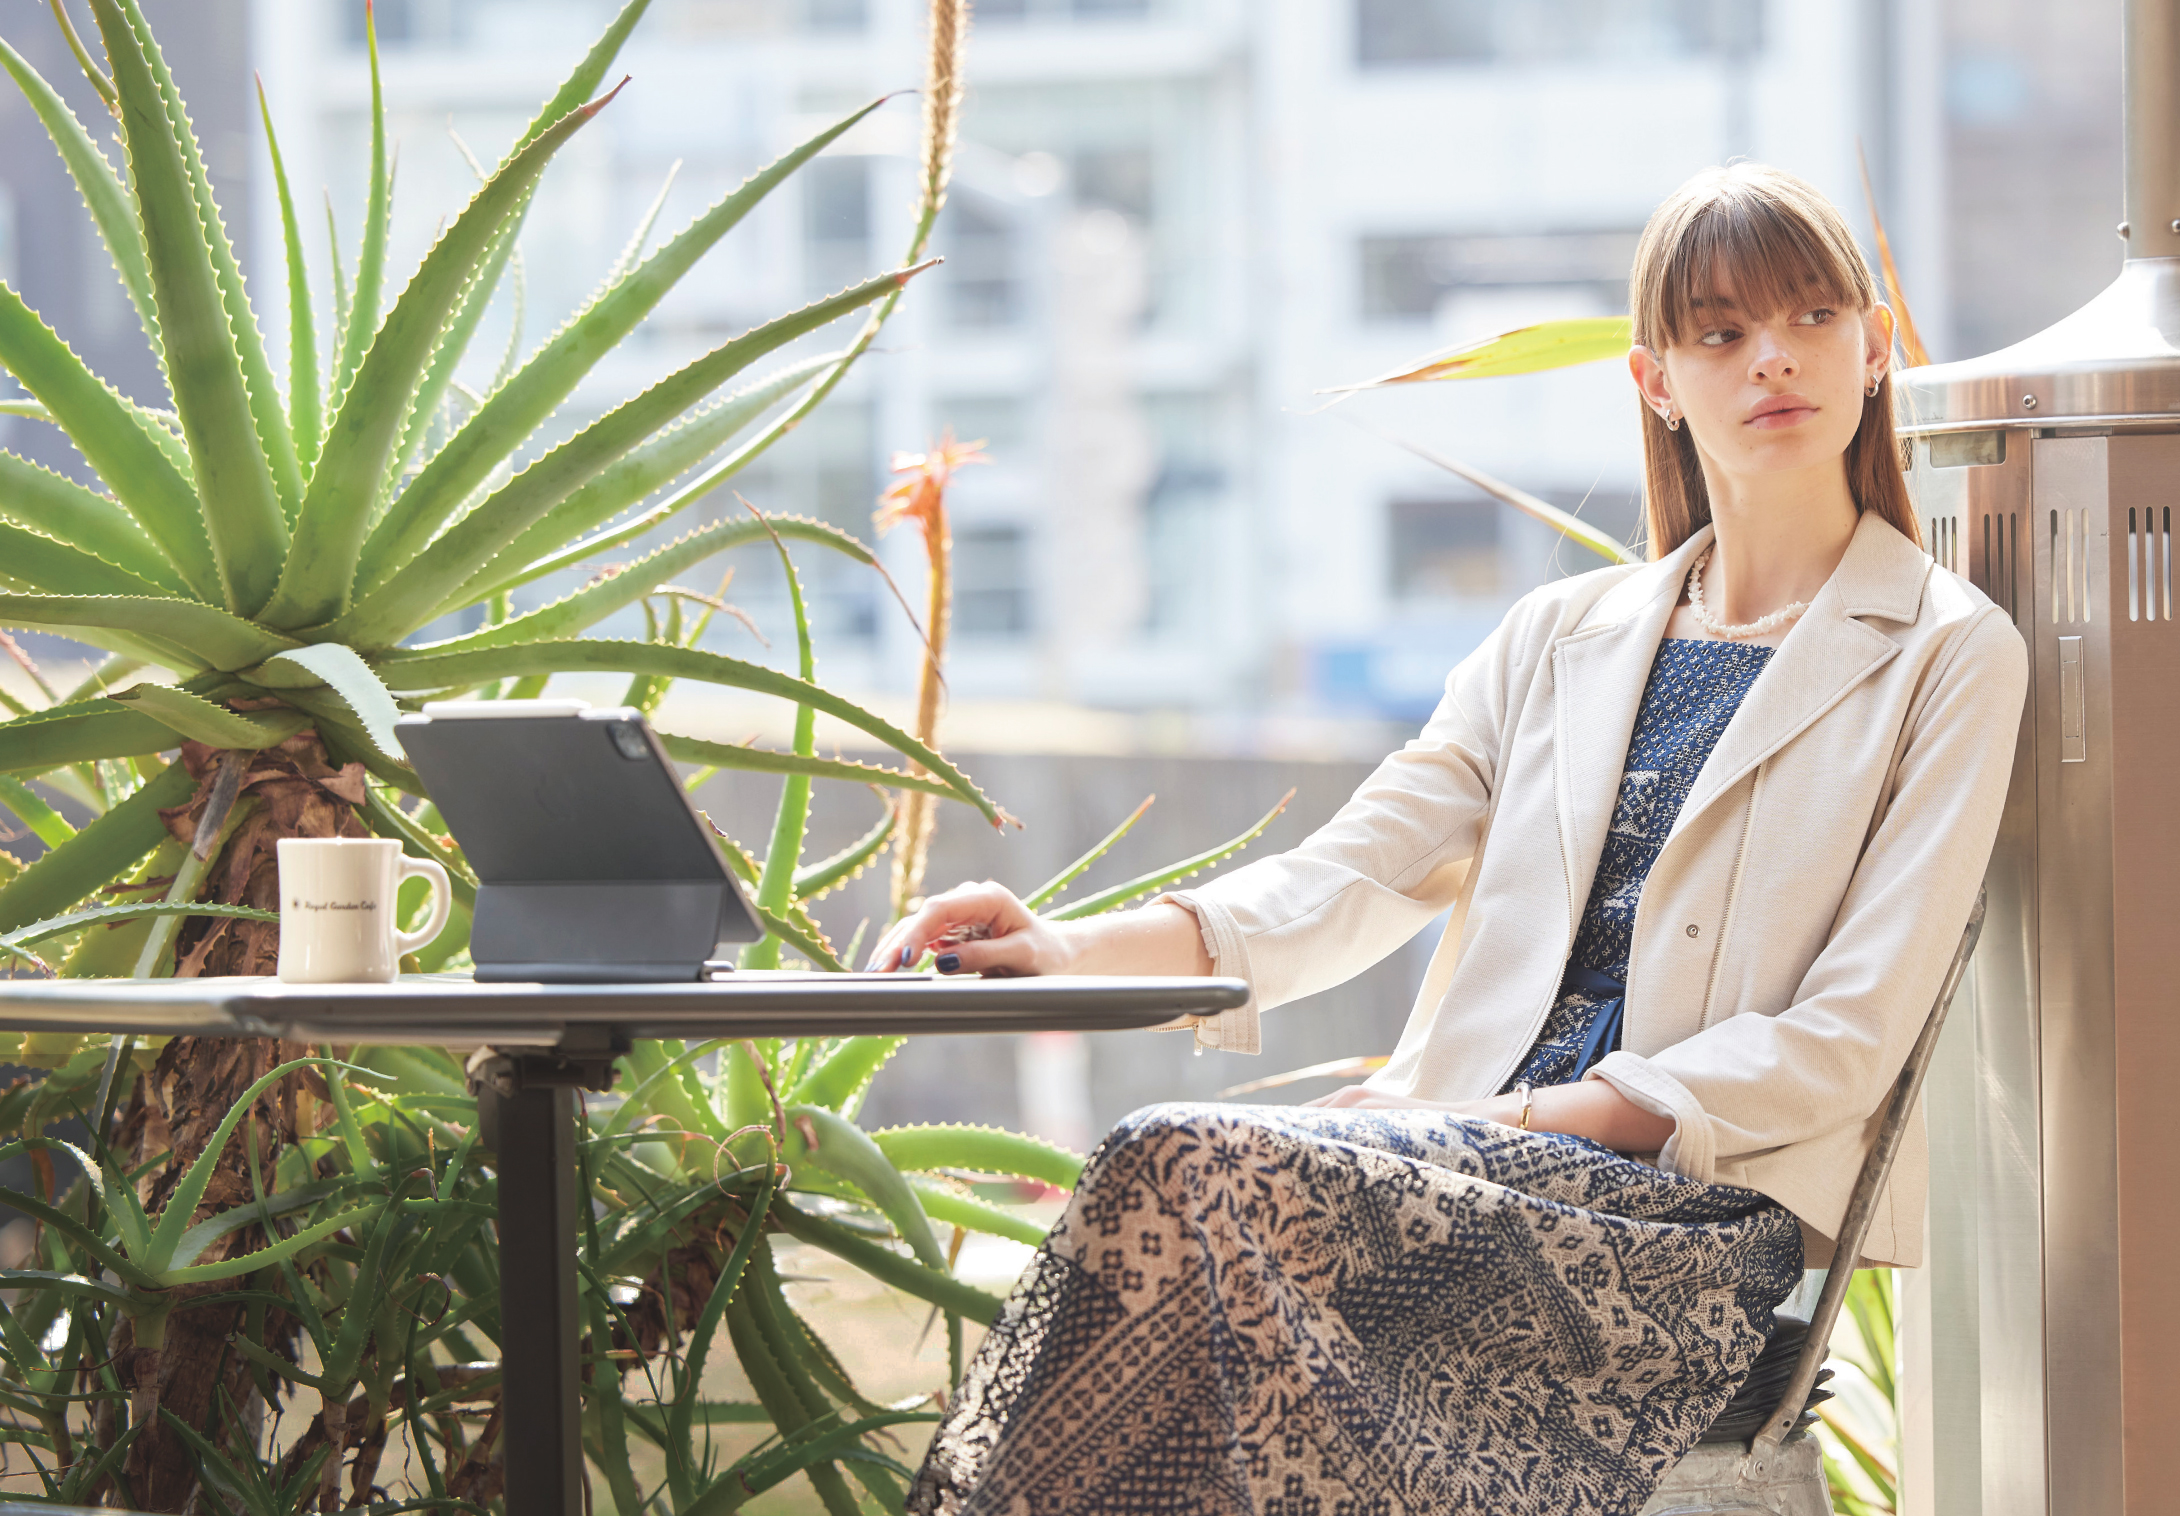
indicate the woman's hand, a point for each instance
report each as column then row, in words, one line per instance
column 977, row 929
column 985, row 929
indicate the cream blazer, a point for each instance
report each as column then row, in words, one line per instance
column 1798, row 920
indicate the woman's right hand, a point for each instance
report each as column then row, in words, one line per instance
column 984, row 929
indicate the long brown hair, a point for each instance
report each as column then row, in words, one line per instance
column 1777, row 236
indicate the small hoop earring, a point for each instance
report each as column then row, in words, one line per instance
column 1872, row 390
column 1672, row 422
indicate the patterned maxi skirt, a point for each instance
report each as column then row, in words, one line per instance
column 1302, row 1312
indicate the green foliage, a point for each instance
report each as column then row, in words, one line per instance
column 1860, row 1430
column 273, row 549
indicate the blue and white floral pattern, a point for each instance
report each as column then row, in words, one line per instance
column 1694, row 689
column 1270, row 1311
column 1295, row 1312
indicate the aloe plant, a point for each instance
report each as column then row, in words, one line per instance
column 256, row 563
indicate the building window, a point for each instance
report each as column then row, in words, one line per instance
column 1407, row 275
column 1393, row 32
column 828, row 468
column 835, row 15
column 981, row 283
column 1444, row 549
column 991, row 581
column 401, row 23
column 997, row 421
column 1115, row 179
column 1062, row 10
column 836, row 222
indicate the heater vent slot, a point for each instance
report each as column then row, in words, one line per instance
column 2070, row 568
column 2149, row 563
column 1945, row 542
column 2001, row 574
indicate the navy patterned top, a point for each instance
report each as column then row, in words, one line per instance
column 1693, row 691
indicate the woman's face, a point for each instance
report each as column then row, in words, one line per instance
column 1767, row 392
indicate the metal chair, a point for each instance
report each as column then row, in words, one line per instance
column 1780, row 1471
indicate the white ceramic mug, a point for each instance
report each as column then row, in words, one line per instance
column 339, row 897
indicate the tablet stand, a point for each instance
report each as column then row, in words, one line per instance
column 608, row 931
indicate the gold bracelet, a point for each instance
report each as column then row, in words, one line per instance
column 1527, row 1091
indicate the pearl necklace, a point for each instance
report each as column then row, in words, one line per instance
column 1763, row 627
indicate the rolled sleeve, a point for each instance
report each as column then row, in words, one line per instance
column 1237, row 1030
column 1753, row 1083
column 1689, row 1152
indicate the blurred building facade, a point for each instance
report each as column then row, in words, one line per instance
column 1173, row 222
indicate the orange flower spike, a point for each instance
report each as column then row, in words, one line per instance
column 920, row 496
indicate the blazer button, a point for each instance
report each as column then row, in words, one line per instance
column 1694, row 930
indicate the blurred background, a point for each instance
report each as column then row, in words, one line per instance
column 1172, row 222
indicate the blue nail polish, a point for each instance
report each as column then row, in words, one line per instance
column 908, row 956
column 949, row 963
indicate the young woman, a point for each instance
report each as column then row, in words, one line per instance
column 1708, row 829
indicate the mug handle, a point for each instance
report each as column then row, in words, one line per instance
column 442, row 902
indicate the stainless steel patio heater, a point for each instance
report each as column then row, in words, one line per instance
column 2043, row 1340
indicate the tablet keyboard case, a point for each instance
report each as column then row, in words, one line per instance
column 593, row 866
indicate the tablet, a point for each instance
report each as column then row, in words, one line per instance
column 593, row 864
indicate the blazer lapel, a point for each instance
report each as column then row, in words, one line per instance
column 1599, row 672
column 1829, row 652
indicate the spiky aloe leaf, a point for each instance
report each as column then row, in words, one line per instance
column 349, row 677
column 321, row 568
column 306, row 414
column 360, row 319
column 583, row 81
column 594, row 602
column 101, row 188
column 405, row 602
column 30, row 808
column 471, row 544
column 200, row 328
column 844, row 1149
column 97, row 854
column 673, row 452
column 1567, row 524
column 81, row 731
column 221, row 640
column 1524, row 350
column 198, row 719
column 886, row 1266
column 633, row 248
column 432, row 671
column 681, row 1412
column 844, row 1071
column 67, row 512
column 794, row 528
column 37, row 563
column 453, row 346
column 1067, row 876
column 949, row 1207
column 553, row 371
column 812, row 882
column 979, row 1150
column 1121, row 894
column 182, row 1204
column 795, row 928
column 114, row 438
column 141, row 648
column 15, row 942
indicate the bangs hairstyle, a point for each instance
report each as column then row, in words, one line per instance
column 1783, row 244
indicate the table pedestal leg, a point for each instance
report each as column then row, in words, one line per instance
column 540, row 1439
